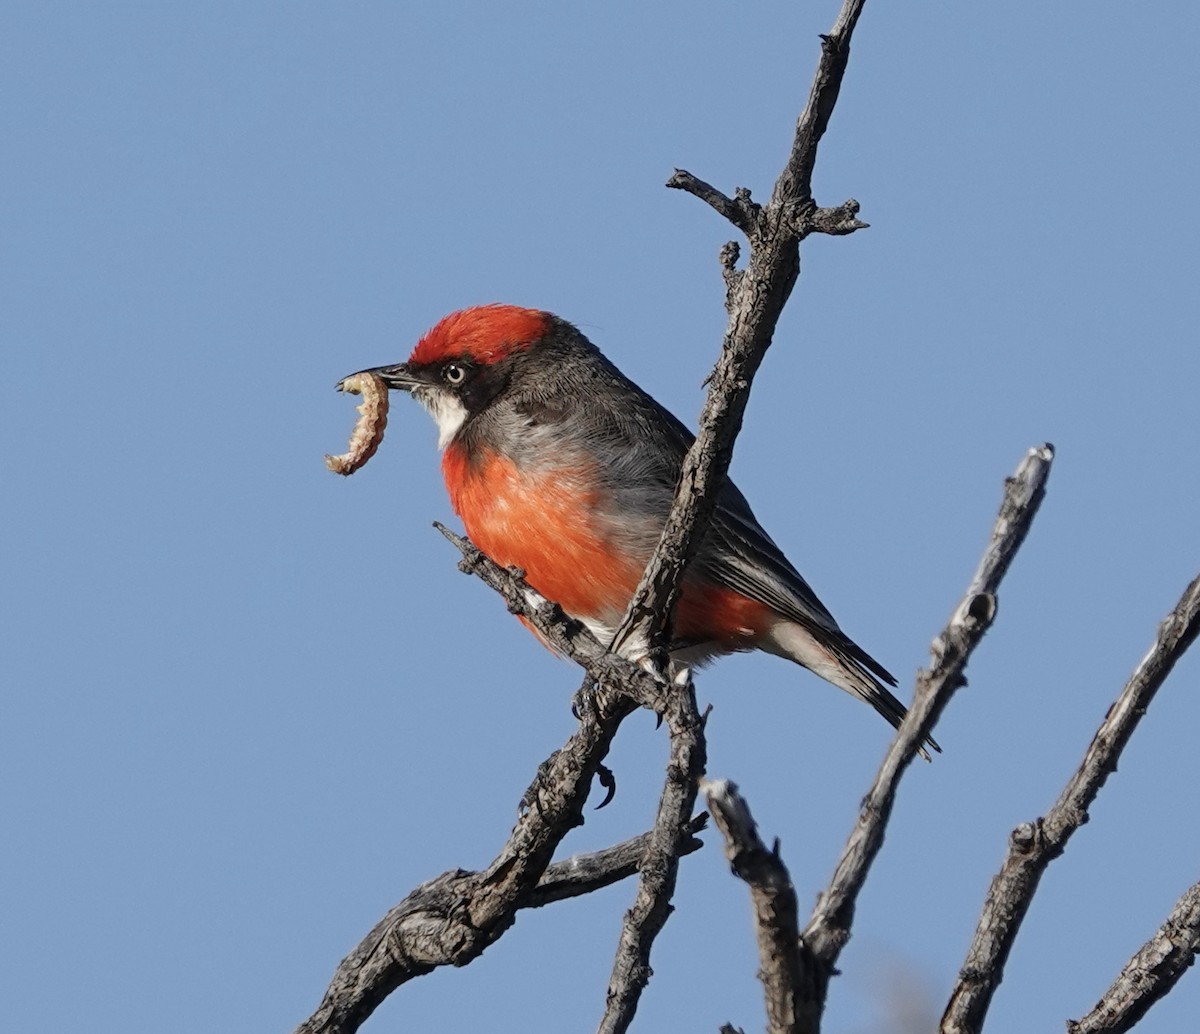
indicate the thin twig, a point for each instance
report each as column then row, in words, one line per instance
column 791, row 1007
column 660, row 864
column 739, row 210
column 1150, row 974
column 829, row 928
column 1034, row 845
column 795, row 185
column 583, row 873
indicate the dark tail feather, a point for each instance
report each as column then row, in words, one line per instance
column 866, row 673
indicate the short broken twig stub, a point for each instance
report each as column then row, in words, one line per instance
column 368, row 432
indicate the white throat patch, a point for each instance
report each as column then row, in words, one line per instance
column 448, row 413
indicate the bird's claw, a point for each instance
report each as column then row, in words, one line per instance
column 605, row 776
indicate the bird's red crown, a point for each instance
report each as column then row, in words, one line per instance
column 485, row 333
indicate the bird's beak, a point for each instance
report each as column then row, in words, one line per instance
column 397, row 377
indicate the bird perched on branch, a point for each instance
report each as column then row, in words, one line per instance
column 560, row 465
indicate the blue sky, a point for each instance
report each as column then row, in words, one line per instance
column 249, row 705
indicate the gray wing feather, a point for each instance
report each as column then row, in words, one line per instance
column 740, row 555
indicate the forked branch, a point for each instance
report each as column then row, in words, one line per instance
column 755, row 301
column 796, row 970
column 1034, row 845
column 793, row 986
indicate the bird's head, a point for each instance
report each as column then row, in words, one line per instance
column 466, row 361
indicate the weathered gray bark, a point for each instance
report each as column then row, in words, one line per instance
column 1151, row 974
column 1034, row 845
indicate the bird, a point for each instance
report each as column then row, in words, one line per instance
column 558, row 464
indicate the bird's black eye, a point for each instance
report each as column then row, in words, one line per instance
column 454, row 374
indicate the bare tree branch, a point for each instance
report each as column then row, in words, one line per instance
column 829, row 928
column 835, row 52
column 583, row 873
column 1034, row 845
column 837, row 221
column 784, row 965
column 793, row 190
column 1150, row 974
column 452, row 919
column 432, row 927
column 660, row 865
column 754, row 301
column 739, row 209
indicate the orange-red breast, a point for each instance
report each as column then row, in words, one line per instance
column 560, row 465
